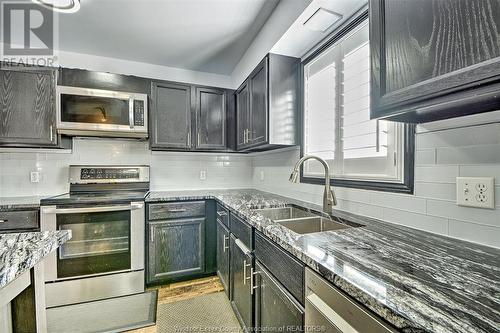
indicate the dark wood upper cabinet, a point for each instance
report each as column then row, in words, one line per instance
column 434, row 59
column 27, row 107
column 210, row 119
column 171, row 118
column 267, row 105
column 191, row 118
column 258, row 104
column 243, row 115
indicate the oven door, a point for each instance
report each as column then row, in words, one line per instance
column 101, row 112
column 105, row 239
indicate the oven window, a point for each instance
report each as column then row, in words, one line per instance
column 94, row 110
column 100, row 243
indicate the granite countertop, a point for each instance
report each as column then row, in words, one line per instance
column 415, row 280
column 14, row 203
column 19, row 252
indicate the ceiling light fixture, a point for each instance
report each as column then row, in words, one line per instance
column 62, row 6
column 322, row 20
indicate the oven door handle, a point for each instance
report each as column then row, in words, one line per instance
column 133, row 206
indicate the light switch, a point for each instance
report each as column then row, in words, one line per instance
column 203, row 175
column 476, row 192
column 35, row 177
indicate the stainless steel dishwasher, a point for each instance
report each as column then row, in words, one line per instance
column 328, row 310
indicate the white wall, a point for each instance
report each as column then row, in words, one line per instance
column 169, row 170
column 444, row 151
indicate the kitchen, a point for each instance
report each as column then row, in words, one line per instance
column 250, row 165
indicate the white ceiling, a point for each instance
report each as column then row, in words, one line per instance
column 201, row 35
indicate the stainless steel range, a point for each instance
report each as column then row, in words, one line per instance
column 105, row 257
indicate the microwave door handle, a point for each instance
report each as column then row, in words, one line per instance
column 131, row 112
column 94, row 209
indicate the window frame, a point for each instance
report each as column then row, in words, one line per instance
column 407, row 184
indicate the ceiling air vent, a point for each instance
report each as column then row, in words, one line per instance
column 322, row 20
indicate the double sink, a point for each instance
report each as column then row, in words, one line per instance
column 300, row 220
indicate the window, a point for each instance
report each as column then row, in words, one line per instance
column 337, row 127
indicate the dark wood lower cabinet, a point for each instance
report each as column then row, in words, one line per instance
column 240, row 283
column 176, row 249
column 223, row 256
column 276, row 310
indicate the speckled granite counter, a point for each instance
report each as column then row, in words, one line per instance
column 19, row 252
column 417, row 281
column 17, row 203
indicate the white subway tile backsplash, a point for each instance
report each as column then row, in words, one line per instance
column 459, row 137
column 401, row 202
column 484, row 170
column 433, row 224
column 438, row 173
column 449, row 209
column 443, row 191
column 425, row 156
column 483, row 234
column 469, row 155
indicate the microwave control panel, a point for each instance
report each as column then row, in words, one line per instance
column 138, row 113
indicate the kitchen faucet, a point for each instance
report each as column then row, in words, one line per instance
column 329, row 199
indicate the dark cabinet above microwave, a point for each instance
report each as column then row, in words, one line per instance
column 434, row 59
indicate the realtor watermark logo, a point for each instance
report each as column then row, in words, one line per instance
column 29, row 34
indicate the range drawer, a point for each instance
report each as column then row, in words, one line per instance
column 242, row 231
column 19, row 220
column 174, row 210
column 281, row 265
column 222, row 215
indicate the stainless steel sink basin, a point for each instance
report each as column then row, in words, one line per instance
column 308, row 225
column 301, row 221
column 284, row 213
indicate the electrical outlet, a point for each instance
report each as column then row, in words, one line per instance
column 203, row 175
column 261, row 175
column 35, row 176
column 476, row 192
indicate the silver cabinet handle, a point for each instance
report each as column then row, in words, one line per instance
column 224, row 244
column 3, row 220
column 252, row 280
column 189, row 139
column 198, row 139
column 151, row 234
column 222, row 213
column 51, row 129
column 176, row 210
column 245, row 278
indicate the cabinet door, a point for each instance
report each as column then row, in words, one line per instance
column 223, row 256
column 171, row 116
column 176, row 249
column 421, row 51
column 27, row 107
column 275, row 308
column 243, row 115
column 210, row 119
column 241, row 290
column 259, row 104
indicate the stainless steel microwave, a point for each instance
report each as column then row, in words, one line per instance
column 95, row 112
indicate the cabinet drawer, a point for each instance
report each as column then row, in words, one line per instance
column 174, row 210
column 19, row 220
column 242, row 231
column 281, row 265
column 222, row 215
